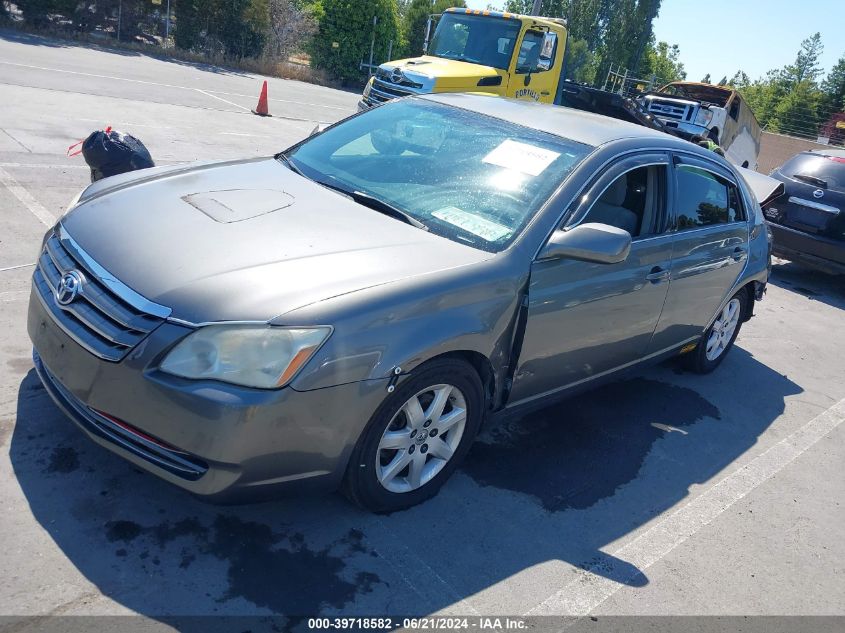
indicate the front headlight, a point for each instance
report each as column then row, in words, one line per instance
column 703, row 117
column 259, row 356
column 368, row 87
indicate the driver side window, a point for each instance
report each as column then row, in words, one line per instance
column 635, row 202
column 529, row 52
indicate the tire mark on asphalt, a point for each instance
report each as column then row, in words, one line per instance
column 15, row 140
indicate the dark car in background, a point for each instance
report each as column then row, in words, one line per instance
column 808, row 219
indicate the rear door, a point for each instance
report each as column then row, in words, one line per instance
column 710, row 249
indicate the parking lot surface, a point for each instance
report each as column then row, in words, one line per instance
column 666, row 494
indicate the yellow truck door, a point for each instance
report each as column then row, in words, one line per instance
column 535, row 69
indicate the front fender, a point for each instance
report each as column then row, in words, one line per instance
column 402, row 325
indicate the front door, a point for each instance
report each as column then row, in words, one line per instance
column 709, row 253
column 586, row 319
column 532, row 72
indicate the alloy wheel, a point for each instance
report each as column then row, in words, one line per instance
column 421, row 438
column 723, row 330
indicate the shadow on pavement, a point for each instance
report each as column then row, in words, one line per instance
column 813, row 284
column 105, row 46
column 543, row 494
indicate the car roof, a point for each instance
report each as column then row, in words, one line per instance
column 577, row 125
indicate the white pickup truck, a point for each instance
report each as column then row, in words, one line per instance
column 715, row 112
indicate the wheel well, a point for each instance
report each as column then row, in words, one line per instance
column 749, row 303
column 482, row 366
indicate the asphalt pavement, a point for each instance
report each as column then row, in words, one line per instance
column 666, row 494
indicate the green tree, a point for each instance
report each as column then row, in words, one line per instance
column 806, row 64
column 663, row 60
column 349, row 24
column 739, row 81
column 834, row 86
column 415, row 20
column 797, row 114
column 580, row 62
column 706, row 79
column 723, row 81
column 35, row 12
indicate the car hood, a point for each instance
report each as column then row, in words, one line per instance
column 247, row 240
column 442, row 69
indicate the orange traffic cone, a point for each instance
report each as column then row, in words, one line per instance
column 261, row 109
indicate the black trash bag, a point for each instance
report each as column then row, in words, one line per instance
column 109, row 153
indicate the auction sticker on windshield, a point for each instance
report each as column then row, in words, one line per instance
column 522, row 157
column 485, row 229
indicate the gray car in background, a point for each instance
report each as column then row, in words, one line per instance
column 349, row 312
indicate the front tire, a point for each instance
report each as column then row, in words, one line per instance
column 719, row 338
column 417, row 438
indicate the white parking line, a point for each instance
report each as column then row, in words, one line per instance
column 208, row 94
column 589, row 590
column 34, row 207
column 3, row 270
column 43, row 165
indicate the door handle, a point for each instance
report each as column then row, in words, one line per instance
column 740, row 253
column 657, row 275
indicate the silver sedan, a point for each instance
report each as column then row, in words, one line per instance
column 350, row 311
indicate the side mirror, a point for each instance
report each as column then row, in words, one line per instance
column 591, row 242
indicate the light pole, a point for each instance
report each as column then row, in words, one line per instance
column 167, row 25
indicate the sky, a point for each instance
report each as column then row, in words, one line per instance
column 722, row 36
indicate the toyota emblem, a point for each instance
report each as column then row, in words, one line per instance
column 818, row 193
column 69, row 288
column 397, row 75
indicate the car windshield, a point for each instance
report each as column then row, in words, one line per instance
column 477, row 39
column 817, row 170
column 465, row 176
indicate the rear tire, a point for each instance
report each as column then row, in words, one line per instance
column 417, row 438
column 719, row 338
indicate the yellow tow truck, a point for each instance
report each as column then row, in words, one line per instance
column 506, row 54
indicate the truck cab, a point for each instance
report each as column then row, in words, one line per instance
column 500, row 53
column 715, row 112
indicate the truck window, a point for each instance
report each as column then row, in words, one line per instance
column 476, row 39
column 734, row 111
column 529, row 52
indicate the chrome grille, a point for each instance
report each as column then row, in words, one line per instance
column 382, row 91
column 106, row 317
column 671, row 109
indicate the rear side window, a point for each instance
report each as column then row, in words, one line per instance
column 705, row 199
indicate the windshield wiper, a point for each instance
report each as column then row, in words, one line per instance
column 376, row 204
column 287, row 161
column 811, row 179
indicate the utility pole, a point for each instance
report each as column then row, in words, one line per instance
column 535, row 10
column 167, row 25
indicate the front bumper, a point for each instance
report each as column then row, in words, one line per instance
column 817, row 251
column 220, row 441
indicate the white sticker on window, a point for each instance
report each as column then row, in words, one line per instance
column 522, row 157
column 490, row 231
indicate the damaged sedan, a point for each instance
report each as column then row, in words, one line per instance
column 348, row 313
